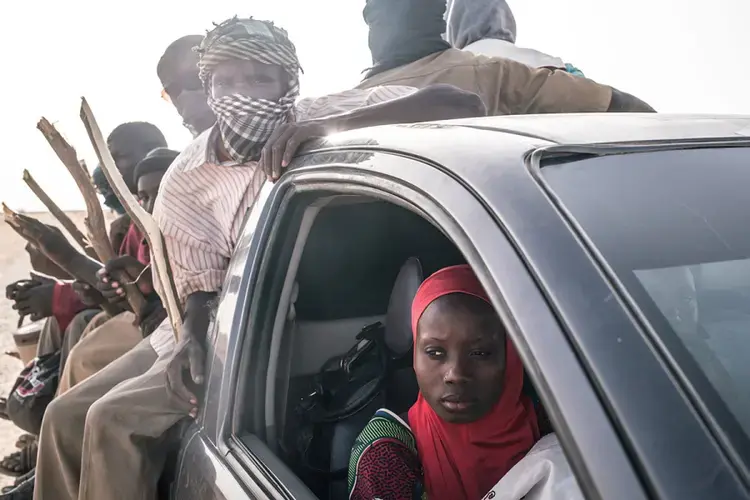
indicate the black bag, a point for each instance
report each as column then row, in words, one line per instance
column 34, row 389
column 345, row 387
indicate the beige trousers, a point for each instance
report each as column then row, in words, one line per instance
column 105, row 439
column 103, row 341
column 52, row 339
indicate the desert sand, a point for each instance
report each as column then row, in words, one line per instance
column 14, row 265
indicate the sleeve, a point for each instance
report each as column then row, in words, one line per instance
column 65, row 304
column 349, row 100
column 510, row 88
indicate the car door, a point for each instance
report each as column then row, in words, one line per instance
column 219, row 462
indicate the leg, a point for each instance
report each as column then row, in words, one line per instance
column 74, row 331
column 50, row 338
column 98, row 348
column 124, row 441
column 58, row 467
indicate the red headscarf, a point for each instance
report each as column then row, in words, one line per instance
column 464, row 461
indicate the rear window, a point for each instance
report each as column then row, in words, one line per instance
column 675, row 228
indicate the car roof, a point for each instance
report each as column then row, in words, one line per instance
column 592, row 128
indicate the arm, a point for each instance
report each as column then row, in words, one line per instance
column 434, row 102
column 622, row 102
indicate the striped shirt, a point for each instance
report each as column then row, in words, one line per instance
column 202, row 203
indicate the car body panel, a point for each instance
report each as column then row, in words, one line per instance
column 553, row 281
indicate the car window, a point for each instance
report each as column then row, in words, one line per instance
column 673, row 228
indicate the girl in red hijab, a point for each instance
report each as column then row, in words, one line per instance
column 471, row 423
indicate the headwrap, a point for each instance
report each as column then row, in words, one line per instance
column 463, row 461
column 403, row 31
column 246, row 123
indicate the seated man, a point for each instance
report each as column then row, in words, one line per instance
column 407, row 48
column 250, row 71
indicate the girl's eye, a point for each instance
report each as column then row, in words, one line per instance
column 481, row 354
column 434, row 353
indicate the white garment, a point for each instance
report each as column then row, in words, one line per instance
column 162, row 339
column 491, row 47
column 543, row 474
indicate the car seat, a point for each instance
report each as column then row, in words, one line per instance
column 401, row 385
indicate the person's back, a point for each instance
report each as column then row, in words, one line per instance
column 488, row 28
column 405, row 39
column 506, row 87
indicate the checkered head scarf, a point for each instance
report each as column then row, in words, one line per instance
column 246, row 123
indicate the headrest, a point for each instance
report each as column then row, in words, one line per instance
column 398, row 334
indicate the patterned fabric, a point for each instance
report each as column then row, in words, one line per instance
column 246, row 123
column 202, row 203
column 384, row 463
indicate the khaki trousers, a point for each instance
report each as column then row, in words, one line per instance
column 52, row 339
column 103, row 341
column 106, row 438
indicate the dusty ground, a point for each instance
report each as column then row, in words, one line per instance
column 14, row 265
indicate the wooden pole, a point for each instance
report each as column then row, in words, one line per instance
column 95, row 224
column 61, row 216
column 142, row 219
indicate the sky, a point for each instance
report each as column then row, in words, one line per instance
column 679, row 56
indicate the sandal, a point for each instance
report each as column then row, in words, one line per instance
column 25, row 440
column 24, row 490
column 19, row 462
column 18, row 481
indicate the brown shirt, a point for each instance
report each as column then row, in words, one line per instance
column 507, row 87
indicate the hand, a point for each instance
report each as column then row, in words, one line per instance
column 113, row 290
column 89, row 295
column 187, row 361
column 286, row 139
column 47, row 239
column 42, row 264
column 35, row 301
column 11, row 291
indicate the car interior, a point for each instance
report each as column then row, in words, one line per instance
column 340, row 263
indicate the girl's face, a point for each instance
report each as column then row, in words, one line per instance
column 460, row 357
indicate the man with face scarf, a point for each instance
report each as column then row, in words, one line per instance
column 407, row 46
column 112, row 444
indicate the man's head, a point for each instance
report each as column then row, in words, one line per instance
column 473, row 20
column 148, row 174
column 129, row 143
column 178, row 72
column 403, row 31
column 250, row 71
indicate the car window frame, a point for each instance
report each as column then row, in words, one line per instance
column 423, row 187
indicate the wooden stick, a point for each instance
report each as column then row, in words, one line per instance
column 61, row 216
column 95, row 224
column 143, row 219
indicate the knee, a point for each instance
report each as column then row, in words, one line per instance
column 101, row 416
column 63, row 415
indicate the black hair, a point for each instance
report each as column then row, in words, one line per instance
column 173, row 56
column 137, row 134
column 157, row 161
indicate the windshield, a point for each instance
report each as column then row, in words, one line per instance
column 675, row 228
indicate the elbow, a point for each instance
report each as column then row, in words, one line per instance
column 454, row 102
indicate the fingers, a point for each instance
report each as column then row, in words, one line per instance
column 197, row 360
column 176, row 388
column 267, row 153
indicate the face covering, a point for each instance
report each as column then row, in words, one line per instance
column 246, row 124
